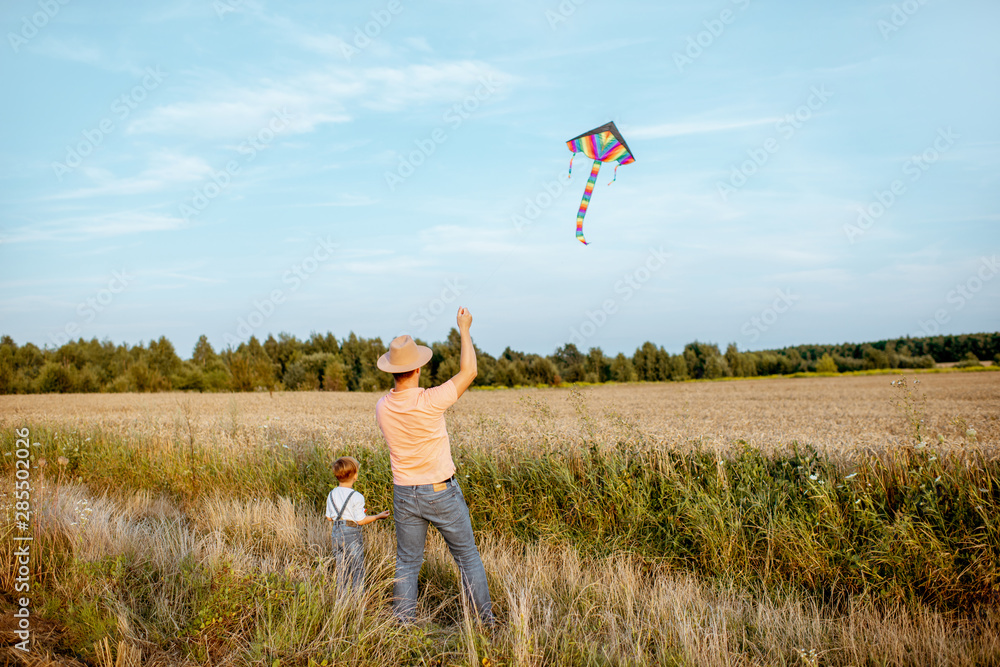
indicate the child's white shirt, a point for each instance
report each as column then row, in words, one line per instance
column 355, row 510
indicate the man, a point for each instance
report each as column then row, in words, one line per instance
column 425, row 490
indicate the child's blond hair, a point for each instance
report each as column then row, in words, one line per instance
column 344, row 467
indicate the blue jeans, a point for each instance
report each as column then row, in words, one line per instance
column 413, row 508
column 349, row 550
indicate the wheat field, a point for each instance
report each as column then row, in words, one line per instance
column 807, row 521
column 835, row 414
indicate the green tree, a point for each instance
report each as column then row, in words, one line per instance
column 741, row 365
column 570, row 363
column 286, row 350
column 54, row 378
column 541, row 370
column 321, row 343
column 141, row 377
column 793, row 362
column 597, row 367
column 162, row 358
column 646, row 362
column 511, row 373
column 251, row 368
column 678, row 368
column 360, row 357
column 307, row 373
column 335, row 374
column 697, row 355
column 203, row 353
column 447, row 369
column 207, row 370
column 622, row 369
column 970, row 360
column 28, row 360
column 8, row 371
column 487, row 367
column 716, row 367
column 826, row 365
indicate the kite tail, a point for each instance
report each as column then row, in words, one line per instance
column 571, row 165
column 587, row 192
column 616, row 174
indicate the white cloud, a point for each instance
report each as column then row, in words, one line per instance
column 391, row 266
column 364, row 253
column 327, row 45
column 82, row 51
column 128, row 222
column 393, row 89
column 238, row 112
column 321, row 43
column 72, row 50
column 343, row 200
column 182, row 274
column 684, row 128
column 33, row 303
column 536, row 54
column 165, row 169
column 827, row 276
column 77, row 228
column 418, row 43
column 316, row 98
column 457, row 241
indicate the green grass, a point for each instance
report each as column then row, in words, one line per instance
column 912, row 525
column 909, row 535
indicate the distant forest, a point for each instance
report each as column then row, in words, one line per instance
column 325, row 363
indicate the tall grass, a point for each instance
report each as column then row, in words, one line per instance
column 910, row 525
column 249, row 582
column 159, row 546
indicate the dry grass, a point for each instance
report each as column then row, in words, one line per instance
column 221, row 577
column 831, row 413
column 558, row 607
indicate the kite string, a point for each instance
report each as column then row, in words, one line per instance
column 616, row 174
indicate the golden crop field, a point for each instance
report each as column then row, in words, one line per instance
column 834, row 414
column 791, row 521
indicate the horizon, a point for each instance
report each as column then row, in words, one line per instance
column 496, row 355
column 801, row 172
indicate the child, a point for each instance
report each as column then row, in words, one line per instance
column 345, row 507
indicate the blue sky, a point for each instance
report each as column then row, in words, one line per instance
column 805, row 172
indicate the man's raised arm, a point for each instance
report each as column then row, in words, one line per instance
column 467, row 364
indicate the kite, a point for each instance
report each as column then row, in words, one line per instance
column 602, row 144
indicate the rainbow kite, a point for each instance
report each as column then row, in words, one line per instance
column 602, row 144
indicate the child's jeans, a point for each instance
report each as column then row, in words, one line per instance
column 349, row 550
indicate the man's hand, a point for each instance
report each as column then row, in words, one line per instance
column 467, row 361
column 383, row 515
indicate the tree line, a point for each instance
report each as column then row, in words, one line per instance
column 323, row 362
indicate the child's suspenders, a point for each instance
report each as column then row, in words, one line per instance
column 341, row 512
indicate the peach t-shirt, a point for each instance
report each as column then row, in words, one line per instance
column 412, row 422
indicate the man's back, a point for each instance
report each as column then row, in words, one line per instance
column 426, row 490
column 412, row 422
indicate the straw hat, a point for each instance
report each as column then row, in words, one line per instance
column 404, row 355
